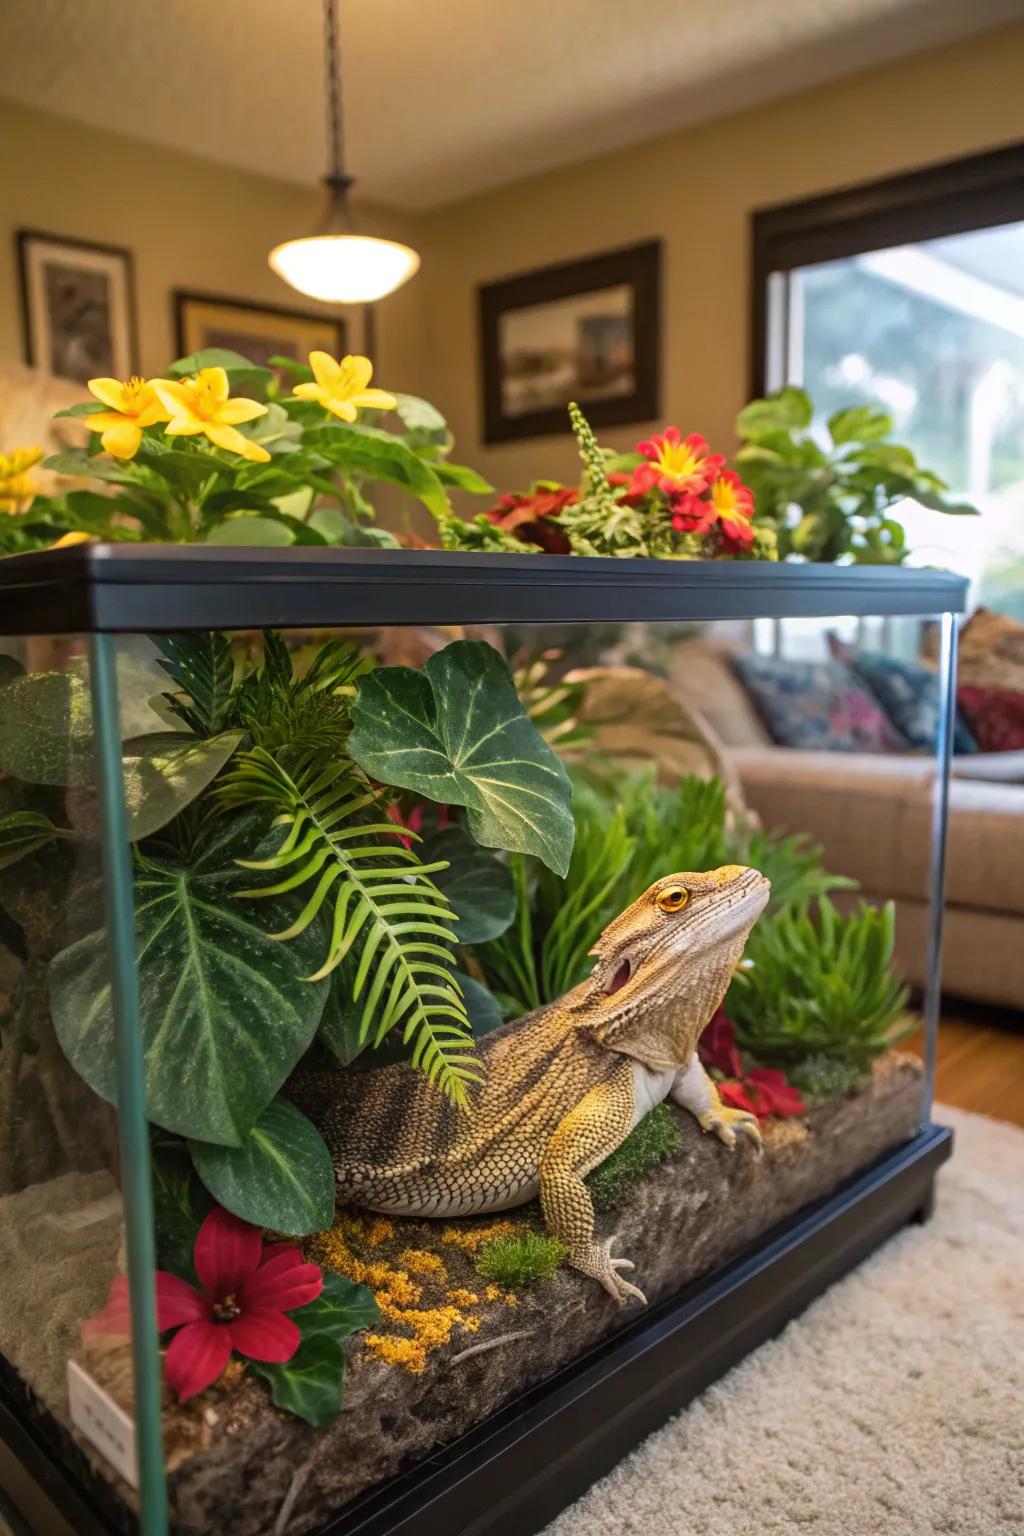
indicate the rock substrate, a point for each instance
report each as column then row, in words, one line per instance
column 238, row 1464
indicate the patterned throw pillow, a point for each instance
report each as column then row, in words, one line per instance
column 996, row 717
column 909, row 694
column 817, row 705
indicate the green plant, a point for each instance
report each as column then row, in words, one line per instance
column 832, row 502
column 652, row 1141
column 520, row 1260
column 820, row 986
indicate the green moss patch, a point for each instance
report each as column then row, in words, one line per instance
column 655, row 1138
column 520, row 1260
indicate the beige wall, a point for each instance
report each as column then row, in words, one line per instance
column 190, row 224
column 696, row 189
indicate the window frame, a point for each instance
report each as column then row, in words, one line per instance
column 955, row 197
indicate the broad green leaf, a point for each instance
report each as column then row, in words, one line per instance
column 250, row 531
column 280, row 1177
column 790, row 408
column 83, row 408
column 275, row 431
column 165, row 772
column 46, row 729
column 380, row 456
column 180, row 1205
column 341, row 1308
column 295, row 503
column 22, row 832
column 84, row 466
column 462, row 478
column 225, row 1013
column 340, row 530
column 478, row 886
column 859, row 424
column 456, row 733
column 481, row 1005
column 938, row 503
column 419, row 415
column 243, row 375
column 311, row 1383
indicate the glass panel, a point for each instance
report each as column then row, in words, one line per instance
column 355, row 854
column 934, row 333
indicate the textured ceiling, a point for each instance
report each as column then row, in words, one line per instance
column 444, row 98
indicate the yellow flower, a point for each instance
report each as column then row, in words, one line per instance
column 16, row 484
column 133, row 405
column 342, row 387
column 200, row 405
column 66, row 540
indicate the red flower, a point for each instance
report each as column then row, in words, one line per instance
column 732, row 505
column 529, row 516
column 413, row 822
column 690, row 514
column 677, row 464
column 775, row 1093
column 736, row 1097
column 632, row 498
column 717, row 1049
column 244, row 1291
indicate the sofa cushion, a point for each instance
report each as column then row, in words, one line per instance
column 817, row 705
column 909, row 694
column 996, row 717
column 701, row 672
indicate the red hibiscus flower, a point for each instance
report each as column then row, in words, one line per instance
column 530, row 515
column 676, row 464
column 775, row 1093
column 718, row 1050
column 736, row 1097
column 245, row 1290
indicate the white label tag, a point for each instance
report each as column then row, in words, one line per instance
column 102, row 1421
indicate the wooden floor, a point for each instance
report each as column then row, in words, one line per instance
column 981, row 1061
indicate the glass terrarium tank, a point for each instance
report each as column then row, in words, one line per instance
column 433, row 1046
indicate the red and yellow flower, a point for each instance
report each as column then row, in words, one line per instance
column 733, row 504
column 676, row 464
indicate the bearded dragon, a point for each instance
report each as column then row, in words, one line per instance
column 564, row 1085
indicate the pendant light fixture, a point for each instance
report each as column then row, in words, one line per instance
column 336, row 263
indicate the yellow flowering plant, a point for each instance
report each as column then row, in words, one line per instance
column 222, row 450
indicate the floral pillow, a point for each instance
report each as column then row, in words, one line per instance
column 819, row 706
column 909, row 694
column 996, row 717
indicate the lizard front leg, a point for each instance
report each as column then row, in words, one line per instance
column 694, row 1090
column 600, row 1122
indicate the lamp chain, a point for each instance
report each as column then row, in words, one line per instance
column 335, row 122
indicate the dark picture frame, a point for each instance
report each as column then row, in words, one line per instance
column 950, row 198
column 258, row 331
column 78, row 318
column 631, row 331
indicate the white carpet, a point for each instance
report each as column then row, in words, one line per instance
column 893, row 1407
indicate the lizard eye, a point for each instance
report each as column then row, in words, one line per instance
column 674, row 899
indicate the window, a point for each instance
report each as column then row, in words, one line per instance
column 910, row 294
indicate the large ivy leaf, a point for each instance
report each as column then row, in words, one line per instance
column 456, row 733
column 46, row 729
column 225, row 1013
column 380, row 455
column 343, row 1307
column 311, row 1383
column 165, row 772
column 478, row 886
column 281, row 1176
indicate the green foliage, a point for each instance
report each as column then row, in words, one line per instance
column 225, row 1015
column 820, row 985
column 826, row 1077
column 165, row 772
column 46, row 729
column 477, row 886
column 842, row 493
column 180, row 1205
column 654, row 1139
column 202, row 667
column 520, row 1260
column 378, row 899
column 456, row 733
column 23, row 832
column 312, row 1382
column 794, row 867
column 280, row 1177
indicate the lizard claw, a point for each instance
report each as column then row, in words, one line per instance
column 726, row 1122
column 603, row 1268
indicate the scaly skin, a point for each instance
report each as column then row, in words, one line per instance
column 564, row 1085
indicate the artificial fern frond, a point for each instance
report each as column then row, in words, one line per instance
column 383, row 909
column 202, row 667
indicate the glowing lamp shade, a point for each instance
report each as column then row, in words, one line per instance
column 344, row 269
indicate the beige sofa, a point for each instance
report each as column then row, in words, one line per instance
column 873, row 818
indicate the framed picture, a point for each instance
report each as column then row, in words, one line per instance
column 585, row 330
column 78, row 307
column 258, row 331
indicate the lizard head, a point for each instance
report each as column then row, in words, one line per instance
column 663, row 966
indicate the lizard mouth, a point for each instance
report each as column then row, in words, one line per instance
column 620, row 978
